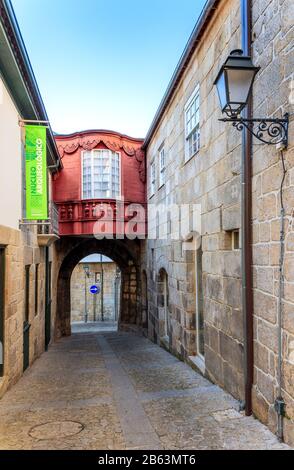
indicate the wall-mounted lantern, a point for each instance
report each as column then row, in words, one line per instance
column 86, row 270
column 234, row 84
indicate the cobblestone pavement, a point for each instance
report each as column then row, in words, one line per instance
column 93, row 327
column 112, row 390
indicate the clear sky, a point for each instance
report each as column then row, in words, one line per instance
column 104, row 63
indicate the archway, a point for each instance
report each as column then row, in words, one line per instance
column 125, row 254
column 95, row 294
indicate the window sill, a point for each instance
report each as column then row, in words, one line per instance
column 190, row 158
column 199, row 362
column 90, row 200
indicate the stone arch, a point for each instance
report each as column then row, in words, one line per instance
column 162, row 263
column 123, row 253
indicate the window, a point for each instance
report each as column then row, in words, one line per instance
column 163, row 303
column 101, row 174
column 152, row 178
column 161, row 166
column 192, row 125
column 235, row 240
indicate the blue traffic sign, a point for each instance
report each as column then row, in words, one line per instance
column 94, row 289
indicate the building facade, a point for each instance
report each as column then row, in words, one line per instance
column 26, row 252
column 196, row 306
column 101, row 198
column 103, row 179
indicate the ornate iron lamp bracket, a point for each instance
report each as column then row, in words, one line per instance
column 269, row 131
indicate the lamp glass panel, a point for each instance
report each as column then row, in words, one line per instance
column 221, row 88
column 239, row 83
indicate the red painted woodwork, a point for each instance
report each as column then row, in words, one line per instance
column 78, row 216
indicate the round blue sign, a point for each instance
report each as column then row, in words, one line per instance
column 94, row 289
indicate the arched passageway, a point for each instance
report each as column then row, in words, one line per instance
column 125, row 253
column 95, row 293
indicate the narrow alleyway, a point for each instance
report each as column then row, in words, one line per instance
column 113, row 390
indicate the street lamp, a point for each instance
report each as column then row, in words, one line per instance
column 234, row 83
column 87, row 275
column 86, row 270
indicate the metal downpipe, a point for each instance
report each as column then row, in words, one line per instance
column 246, row 222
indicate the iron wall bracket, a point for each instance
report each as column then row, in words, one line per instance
column 269, row 131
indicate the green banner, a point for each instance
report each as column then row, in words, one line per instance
column 36, row 173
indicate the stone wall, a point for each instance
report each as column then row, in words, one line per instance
column 211, row 179
column 21, row 249
column 111, row 293
column 273, row 51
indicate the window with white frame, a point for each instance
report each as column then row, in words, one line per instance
column 152, row 178
column 162, row 164
column 101, row 174
column 192, row 125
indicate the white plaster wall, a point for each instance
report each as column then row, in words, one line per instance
column 10, row 161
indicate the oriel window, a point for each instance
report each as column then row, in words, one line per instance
column 101, row 174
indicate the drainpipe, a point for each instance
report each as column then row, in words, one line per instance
column 280, row 403
column 246, row 209
column 246, row 222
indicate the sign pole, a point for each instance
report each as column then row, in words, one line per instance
column 102, row 291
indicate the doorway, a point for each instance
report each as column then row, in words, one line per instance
column 26, row 323
column 48, row 298
column 163, row 308
column 200, row 349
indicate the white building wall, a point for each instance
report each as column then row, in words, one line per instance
column 10, row 161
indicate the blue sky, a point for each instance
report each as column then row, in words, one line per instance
column 104, row 63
